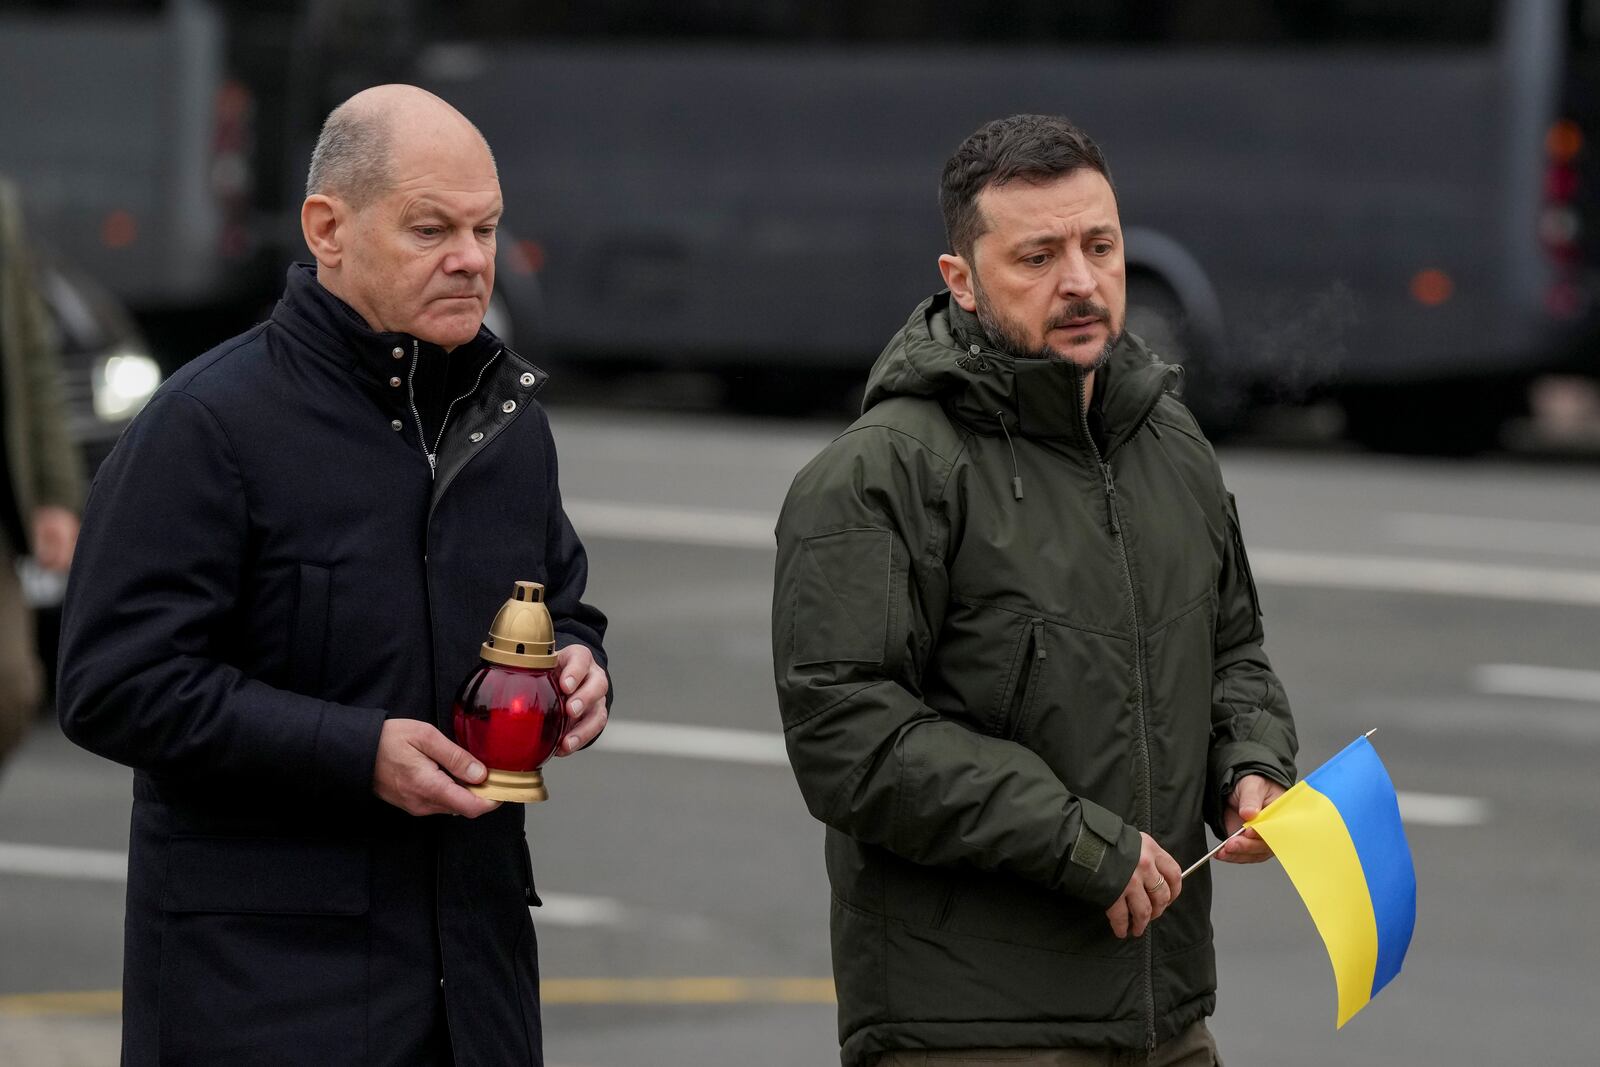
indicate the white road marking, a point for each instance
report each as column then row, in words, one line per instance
column 1393, row 574
column 78, row 864
column 102, row 865
column 1384, row 574
column 1441, row 809
column 694, row 742
column 767, row 749
column 1527, row 680
column 1476, row 531
column 571, row 909
column 688, row 526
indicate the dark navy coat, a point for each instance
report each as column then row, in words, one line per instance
column 269, row 569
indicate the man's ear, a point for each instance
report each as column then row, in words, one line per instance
column 322, row 223
column 958, row 276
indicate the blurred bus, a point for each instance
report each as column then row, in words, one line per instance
column 162, row 146
column 132, row 147
column 1377, row 198
column 1384, row 200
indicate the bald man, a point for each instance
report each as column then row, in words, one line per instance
column 286, row 566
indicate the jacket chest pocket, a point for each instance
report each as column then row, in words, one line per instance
column 1026, row 677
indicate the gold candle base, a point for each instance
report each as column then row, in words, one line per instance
column 516, row 787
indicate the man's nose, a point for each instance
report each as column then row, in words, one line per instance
column 468, row 256
column 1074, row 278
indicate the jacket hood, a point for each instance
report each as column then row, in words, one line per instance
column 943, row 354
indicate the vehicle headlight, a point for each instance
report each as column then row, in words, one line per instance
column 122, row 384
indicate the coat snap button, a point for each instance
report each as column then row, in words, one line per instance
column 394, row 383
column 509, row 406
column 475, row 436
column 395, row 424
column 527, row 379
column 397, row 353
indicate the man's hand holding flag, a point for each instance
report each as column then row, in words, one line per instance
column 1338, row 834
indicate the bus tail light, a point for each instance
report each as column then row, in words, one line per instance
column 1560, row 225
column 233, row 164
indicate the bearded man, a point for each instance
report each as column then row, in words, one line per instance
column 1018, row 652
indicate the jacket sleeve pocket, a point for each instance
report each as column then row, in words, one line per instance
column 308, row 641
column 263, row 875
column 841, row 597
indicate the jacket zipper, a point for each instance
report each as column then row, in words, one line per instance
column 432, row 456
column 448, row 411
column 411, row 394
column 1144, row 817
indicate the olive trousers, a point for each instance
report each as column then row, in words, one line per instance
column 1192, row 1048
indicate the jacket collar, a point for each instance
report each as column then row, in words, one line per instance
column 943, row 352
column 333, row 329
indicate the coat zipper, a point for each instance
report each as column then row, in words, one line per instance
column 411, row 394
column 438, row 935
column 1145, row 817
column 433, row 469
column 449, row 410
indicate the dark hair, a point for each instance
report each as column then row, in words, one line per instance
column 1033, row 148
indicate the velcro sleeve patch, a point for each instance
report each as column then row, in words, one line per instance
column 1097, row 835
column 841, row 611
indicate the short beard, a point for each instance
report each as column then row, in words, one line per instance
column 1008, row 337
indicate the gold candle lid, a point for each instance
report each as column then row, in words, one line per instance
column 522, row 634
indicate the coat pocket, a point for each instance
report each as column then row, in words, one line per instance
column 308, row 634
column 1241, row 557
column 264, row 951
column 1029, row 667
column 530, row 889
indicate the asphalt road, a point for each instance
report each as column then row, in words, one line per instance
column 1454, row 606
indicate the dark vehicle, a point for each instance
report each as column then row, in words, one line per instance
column 163, row 146
column 1357, row 196
column 107, row 370
column 1385, row 200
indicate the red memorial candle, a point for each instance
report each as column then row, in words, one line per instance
column 509, row 712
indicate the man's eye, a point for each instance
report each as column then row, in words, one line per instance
column 1102, row 248
column 427, row 231
column 485, row 231
column 1037, row 260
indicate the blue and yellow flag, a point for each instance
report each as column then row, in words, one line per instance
column 1338, row 834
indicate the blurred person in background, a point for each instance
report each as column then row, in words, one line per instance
column 1019, row 653
column 42, row 488
column 287, row 565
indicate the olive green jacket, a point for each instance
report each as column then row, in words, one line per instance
column 43, row 465
column 999, row 655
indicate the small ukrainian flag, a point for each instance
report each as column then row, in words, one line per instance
column 1338, row 835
